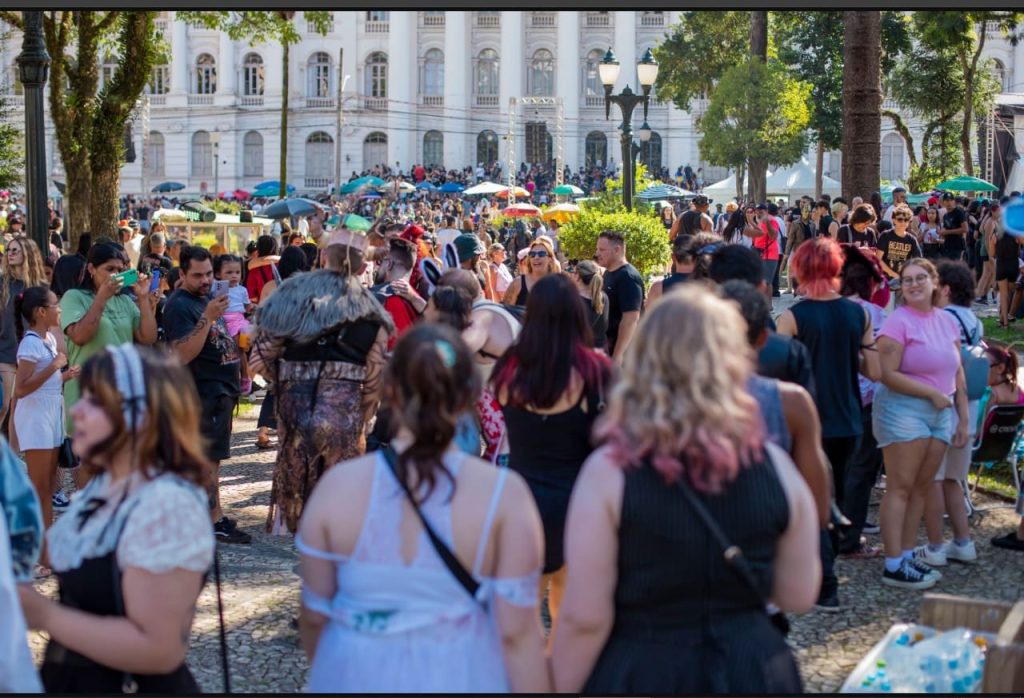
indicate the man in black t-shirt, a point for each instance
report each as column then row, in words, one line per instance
column 694, row 221
column 954, row 229
column 194, row 327
column 625, row 289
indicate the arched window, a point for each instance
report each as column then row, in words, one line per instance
column 892, row 157
column 16, row 87
column 377, row 75
column 591, row 79
column 107, row 70
column 375, row 150
column 538, row 143
column 155, row 153
column 650, row 153
column 596, row 149
column 433, row 72
column 542, row 73
column 253, row 76
column 433, row 148
column 487, row 72
column 487, row 147
column 318, row 75
column 159, row 80
column 319, row 156
column 202, row 154
column 1000, row 70
column 206, row 75
column 252, row 154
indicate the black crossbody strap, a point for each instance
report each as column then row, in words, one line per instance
column 457, row 569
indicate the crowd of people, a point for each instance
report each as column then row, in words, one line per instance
column 469, row 426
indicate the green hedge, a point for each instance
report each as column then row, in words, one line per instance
column 647, row 246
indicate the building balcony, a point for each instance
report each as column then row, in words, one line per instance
column 890, row 104
column 14, row 101
column 197, row 100
column 432, row 100
column 250, row 101
column 542, row 20
column 320, row 103
column 375, row 27
column 594, row 100
column 432, row 20
column 161, row 26
column 158, row 100
column 317, row 182
column 486, row 101
column 487, row 21
column 599, row 19
column 652, row 19
column 375, row 103
column 311, row 28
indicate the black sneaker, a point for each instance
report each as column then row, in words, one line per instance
column 1009, row 542
column 828, row 604
column 925, row 569
column 871, row 528
column 907, row 577
column 226, row 531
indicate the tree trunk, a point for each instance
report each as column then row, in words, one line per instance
column 862, row 102
column 740, row 171
column 970, row 71
column 77, row 200
column 757, row 177
column 819, row 168
column 283, row 174
column 105, row 198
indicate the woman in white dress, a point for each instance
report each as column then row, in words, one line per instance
column 382, row 610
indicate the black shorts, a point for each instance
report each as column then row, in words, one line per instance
column 1007, row 272
column 215, row 425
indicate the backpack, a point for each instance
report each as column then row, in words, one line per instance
column 974, row 361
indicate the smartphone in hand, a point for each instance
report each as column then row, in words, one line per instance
column 128, row 278
column 220, row 288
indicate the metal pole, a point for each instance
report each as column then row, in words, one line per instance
column 34, row 65
column 512, row 101
column 216, row 169
column 341, row 120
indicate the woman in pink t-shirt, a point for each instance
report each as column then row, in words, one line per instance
column 913, row 416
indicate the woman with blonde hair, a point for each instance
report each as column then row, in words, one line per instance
column 22, row 267
column 541, row 259
column 589, row 280
column 651, row 605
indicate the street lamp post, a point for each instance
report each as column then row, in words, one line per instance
column 215, row 140
column 647, row 73
column 34, row 65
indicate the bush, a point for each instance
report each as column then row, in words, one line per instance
column 647, row 246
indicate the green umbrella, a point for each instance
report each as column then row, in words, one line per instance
column 918, row 199
column 965, row 183
column 350, row 221
column 567, row 190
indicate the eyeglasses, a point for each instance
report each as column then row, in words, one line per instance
column 539, row 253
column 919, row 280
column 901, row 218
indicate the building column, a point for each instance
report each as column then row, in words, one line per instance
column 1017, row 78
column 457, row 88
column 626, row 51
column 567, row 85
column 180, row 62
column 402, row 83
column 510, row 82
column 227, row 71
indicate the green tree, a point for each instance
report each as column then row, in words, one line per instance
column 963, row 34
column 758, row 112
column 258, row 27
column 12, row 156
column 89, row 119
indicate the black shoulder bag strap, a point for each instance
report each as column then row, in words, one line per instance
column 972, row 337
column 457, row 569
column 732, row 554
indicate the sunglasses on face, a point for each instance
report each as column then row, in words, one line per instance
column 905, row 219
column 539, row 253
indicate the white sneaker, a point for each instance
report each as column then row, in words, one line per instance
column 930, row 557
column 965, row 554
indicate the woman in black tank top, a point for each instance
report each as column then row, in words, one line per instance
column 542, row 262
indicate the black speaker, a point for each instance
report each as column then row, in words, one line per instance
column 245, row 216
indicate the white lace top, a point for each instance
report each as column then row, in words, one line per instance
column 164, row 523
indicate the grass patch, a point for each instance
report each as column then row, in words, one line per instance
column 999, row 479
column 1014, row 333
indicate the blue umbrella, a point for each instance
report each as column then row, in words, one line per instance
column 426, row 186
column 273, row 190
column 168, row 186
column 274, row 184
column 452, row 188
column 286, row 208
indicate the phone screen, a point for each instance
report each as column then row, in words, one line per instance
column 154, row 285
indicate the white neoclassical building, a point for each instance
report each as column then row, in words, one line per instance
column 430, row 87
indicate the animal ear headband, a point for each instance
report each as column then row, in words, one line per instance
column 130, row 383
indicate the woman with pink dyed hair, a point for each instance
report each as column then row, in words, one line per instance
column 651, row 605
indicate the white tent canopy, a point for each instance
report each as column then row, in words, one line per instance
column 725, row 190
column 798, row 180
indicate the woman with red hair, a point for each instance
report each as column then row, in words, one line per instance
column 838, row 334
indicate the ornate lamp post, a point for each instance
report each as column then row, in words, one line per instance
column 647, row 73
column 34, row 66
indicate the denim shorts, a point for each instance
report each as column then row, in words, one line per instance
column 898, row 418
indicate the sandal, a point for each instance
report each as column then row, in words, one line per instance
column 264, row 445
column 42, row 572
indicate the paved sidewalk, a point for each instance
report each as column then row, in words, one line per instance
column 261, row 595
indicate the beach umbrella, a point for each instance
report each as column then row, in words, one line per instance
column 168, row 186
column 426, row 186
column 350, row 221
column 452, row 188
column 567, row 190
column 241, row 194
column 561, row 213
column 519, row 192
column 286, row 208
column 521, row 210
column 274, row 184
column 965, row 183
column 267, row 192
column 660, row 192
column 362, row 183
column 403, row 188
column 485, row 189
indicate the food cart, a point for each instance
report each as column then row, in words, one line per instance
column 225, row 229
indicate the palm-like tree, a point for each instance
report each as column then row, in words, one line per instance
column 862, row 102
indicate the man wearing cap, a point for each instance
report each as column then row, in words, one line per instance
column 954, row 229
column 326, row 362
column 899, row 196
column 694, row 221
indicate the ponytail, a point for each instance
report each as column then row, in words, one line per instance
column 592, row 275
column 25, row 306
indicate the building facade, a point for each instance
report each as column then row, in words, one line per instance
column 431, row 87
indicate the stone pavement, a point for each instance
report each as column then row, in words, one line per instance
column 261, row 595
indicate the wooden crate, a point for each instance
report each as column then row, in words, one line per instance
column 1004, row 660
